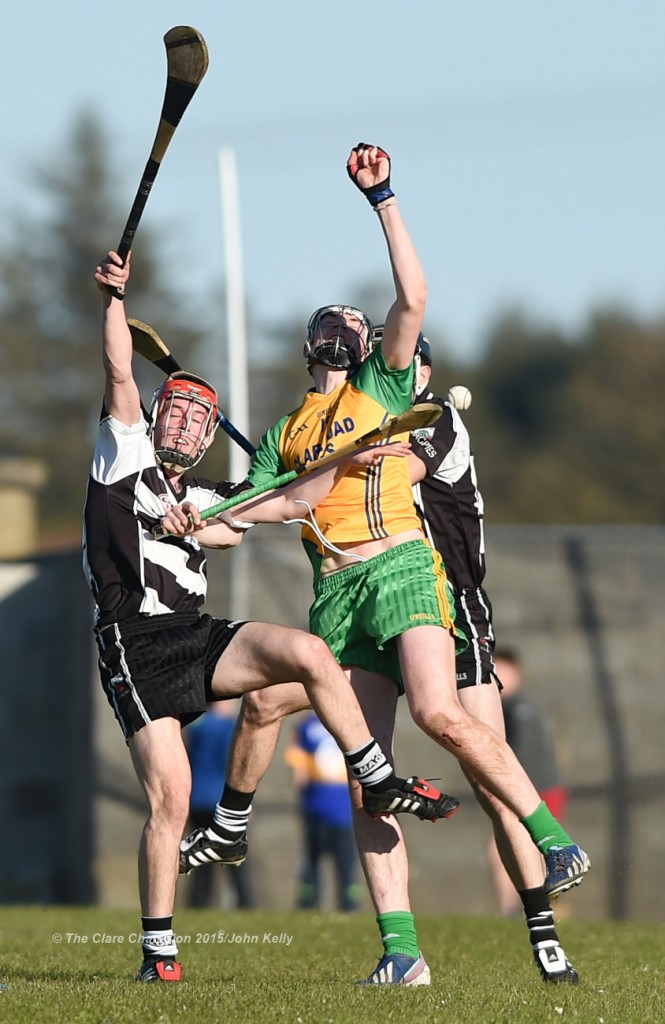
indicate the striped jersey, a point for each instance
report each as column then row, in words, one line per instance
column 128, row 571
column 369, row 502
column 448, row 499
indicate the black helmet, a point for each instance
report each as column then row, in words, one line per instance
column 421, row 357
column 423, row 350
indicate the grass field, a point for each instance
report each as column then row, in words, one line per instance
column 76, row 966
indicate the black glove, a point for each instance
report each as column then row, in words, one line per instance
column 375, row 194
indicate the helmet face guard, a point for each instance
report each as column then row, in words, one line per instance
column 329, row 347
column 183, row 420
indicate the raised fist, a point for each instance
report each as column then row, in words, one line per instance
column 369, row 169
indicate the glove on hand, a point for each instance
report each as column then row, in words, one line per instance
column 380, row 190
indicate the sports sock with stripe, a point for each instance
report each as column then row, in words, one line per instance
column 158, row 939
column 398, row 932
column 545, row 830
column 371, row 768
column 539, row 916
column 231, row 815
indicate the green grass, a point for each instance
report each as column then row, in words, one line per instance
column 482, row 971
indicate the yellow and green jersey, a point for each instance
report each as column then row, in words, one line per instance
column 369, row 502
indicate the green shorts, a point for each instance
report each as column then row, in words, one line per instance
column 361, row 610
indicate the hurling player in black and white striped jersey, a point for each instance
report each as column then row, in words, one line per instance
column 161, row 660
column 447, row 497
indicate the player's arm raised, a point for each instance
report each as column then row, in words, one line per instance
column 121, row 395
column 369, row 169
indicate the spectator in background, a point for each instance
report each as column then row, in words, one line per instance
column 319, row 773
column 528, row 734
column 207, row 742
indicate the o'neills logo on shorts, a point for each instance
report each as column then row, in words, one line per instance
column 424, row 616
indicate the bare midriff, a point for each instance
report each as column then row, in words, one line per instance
column 333, row 561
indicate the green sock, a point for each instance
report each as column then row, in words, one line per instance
column 545, row 830
column 398, row 932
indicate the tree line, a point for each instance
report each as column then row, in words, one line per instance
column 566, row 428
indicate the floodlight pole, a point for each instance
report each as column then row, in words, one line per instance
column 237, row 361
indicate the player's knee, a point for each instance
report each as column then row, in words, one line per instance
column 311, row 656
column 446, row 726
column 169, row 806
column 262, row 707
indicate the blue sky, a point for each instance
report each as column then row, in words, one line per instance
column 528, row 143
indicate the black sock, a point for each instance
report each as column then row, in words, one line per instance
column 539, row 916
column 391, row 781
column 234, row 800
column 231, row 814
column 156, row 924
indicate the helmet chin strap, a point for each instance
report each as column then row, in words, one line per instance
column 418, row 389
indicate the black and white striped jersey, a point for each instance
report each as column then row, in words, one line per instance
column 448, row 500
column 128, row 571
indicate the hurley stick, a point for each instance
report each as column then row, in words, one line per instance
column 187, row 63
column 147, row 343
column 418, row 416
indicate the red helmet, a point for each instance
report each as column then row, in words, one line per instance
column 183, row 418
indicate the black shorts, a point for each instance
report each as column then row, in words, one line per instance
column 161, row 666
column 473, row 614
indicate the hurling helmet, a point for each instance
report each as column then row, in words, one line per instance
column 194, row 422
column 336, row 352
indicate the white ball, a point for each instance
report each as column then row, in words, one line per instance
column 459, row 397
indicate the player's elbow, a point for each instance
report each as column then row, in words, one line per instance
column 418, row 298
column 414, row 299
column 220, row 537
column 118, row 372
